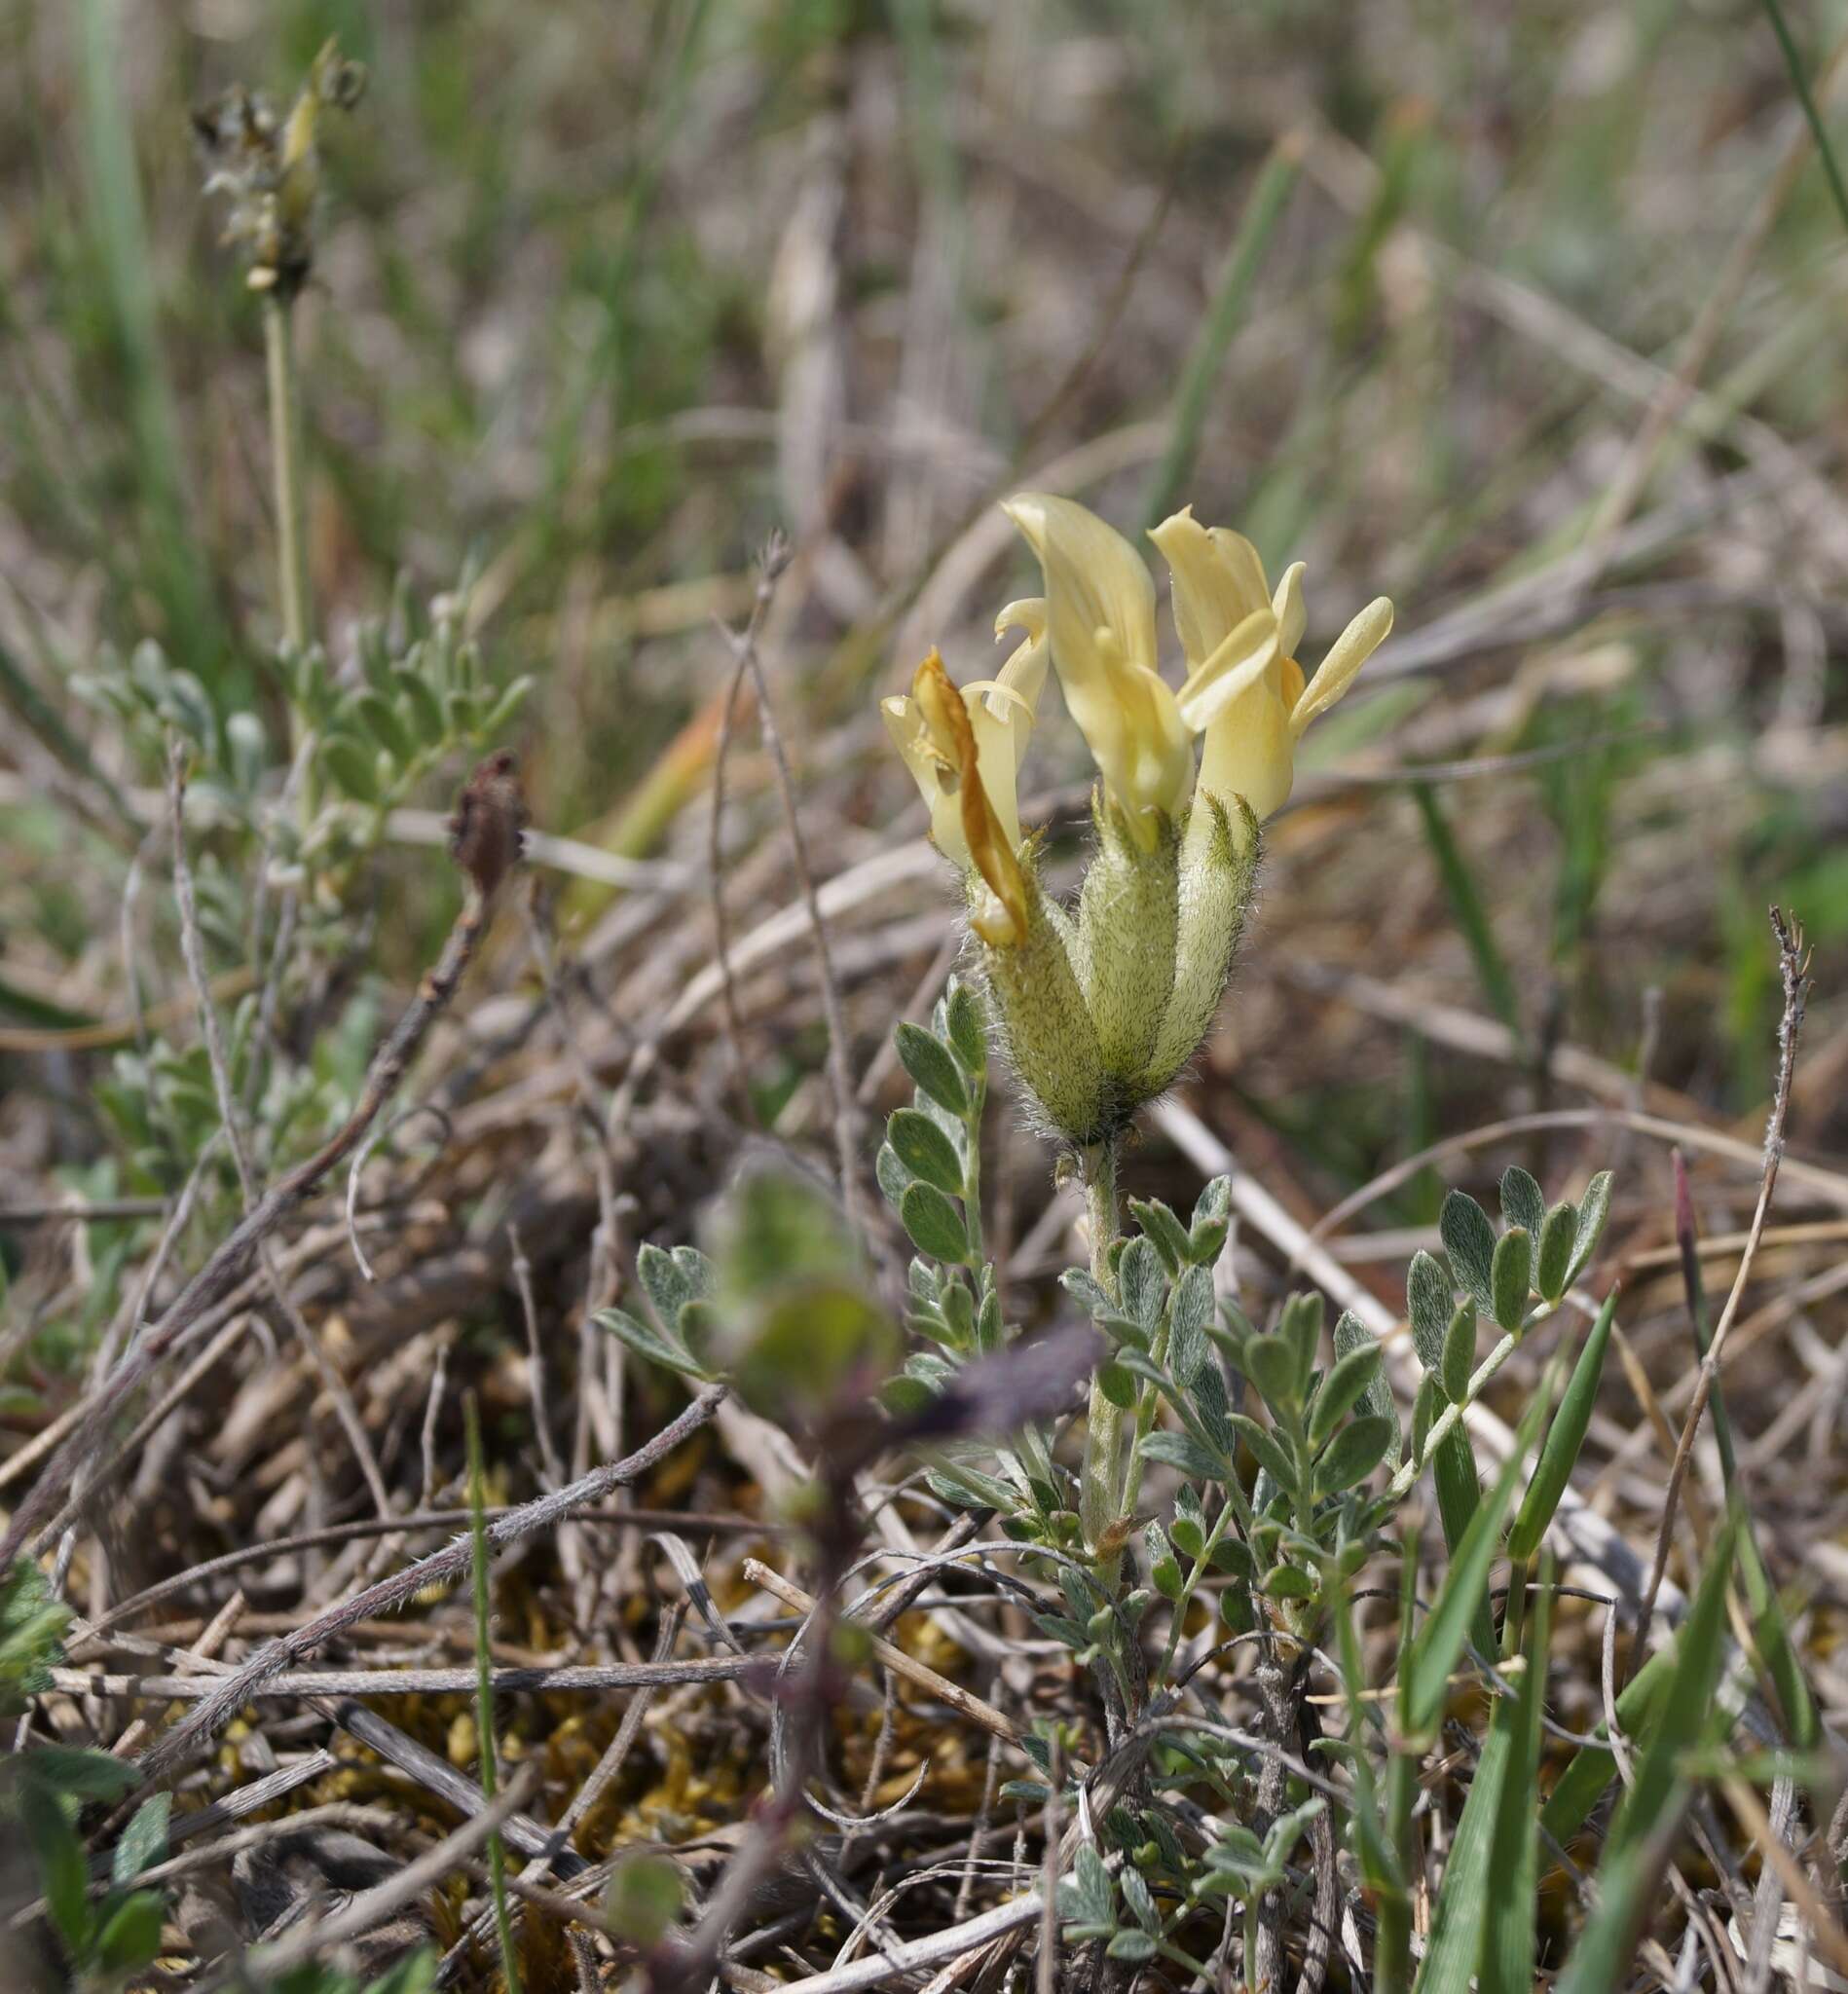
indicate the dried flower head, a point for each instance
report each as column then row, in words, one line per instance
column 487, row 833
column 268, row 168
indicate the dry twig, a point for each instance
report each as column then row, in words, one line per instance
column 1793, row 967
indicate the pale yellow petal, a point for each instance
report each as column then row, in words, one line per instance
column 1100, row 621
column 1243, row 559
column 1245, row 656
column 990, row 852
column 1250, row 752
column 1095, row 582
column 1211, row 576
column 996, row 922
column 1003, row 724
column 1346, row 655
column 1024, row 613
column 1287, row 602
column 1147, row 753
column 1024, row 672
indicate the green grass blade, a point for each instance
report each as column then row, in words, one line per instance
column 1689, row 1702
column 1463, row 1900
column 1777, row 1652
column 1458, row 1498
column 484, row 1693
column 1434, row 1651
column 1256, row 226
column 1640, row 1837
column 1485, row 1902
column 1559, row 1454
column 1466, row 904
column 1800, row 83
column 1506, row 1927
column 1379, row 1864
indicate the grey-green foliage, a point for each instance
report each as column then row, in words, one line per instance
column 417, row 694
column 929, row 1168
column 782, row 1307
column 1283, row 1472
column 1307, row 1519
column 678, row 1286
column 414, row 697
column 1292, row 1476
column 412, row 703
column 1158, row 1885
column 1499, row 1276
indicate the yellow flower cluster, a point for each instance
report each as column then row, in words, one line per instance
column 1148, row 954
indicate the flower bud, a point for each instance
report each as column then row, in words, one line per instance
column 1217, row 871
column 1128, row 913
column 1045, row 1026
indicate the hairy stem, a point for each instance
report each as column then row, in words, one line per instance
column 1279, row 1689
column 972, row 1179
column 1146, row 1407
column 1103, row 1425
column 1447, row 1420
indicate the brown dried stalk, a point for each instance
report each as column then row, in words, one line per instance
column 1794, row 965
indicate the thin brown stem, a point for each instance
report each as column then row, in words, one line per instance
column 742, row 649
column 487, row 844
column 840, row 1080
column 1793, row 967
column 371, row 1908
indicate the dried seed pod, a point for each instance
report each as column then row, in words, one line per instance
column 487, row 833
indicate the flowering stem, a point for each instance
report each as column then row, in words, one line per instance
column 285, row 449
column 1103, row 1426
column 288, row 467
column 1098, row 1166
